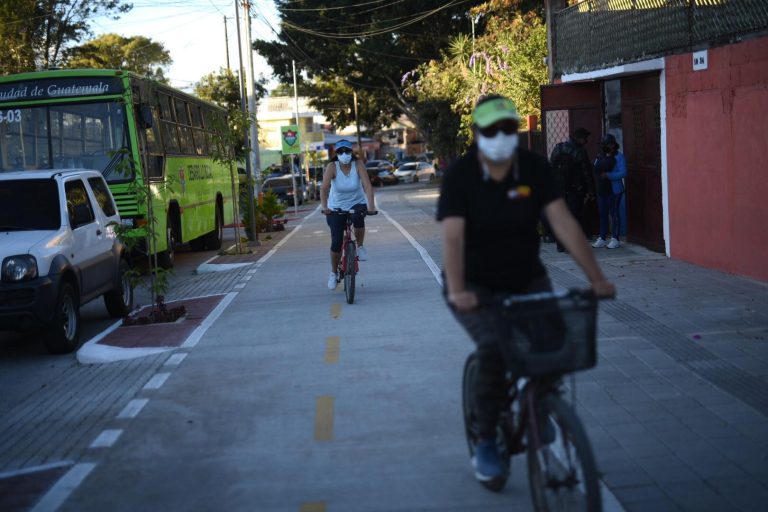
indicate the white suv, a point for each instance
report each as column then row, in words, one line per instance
column 59, row 251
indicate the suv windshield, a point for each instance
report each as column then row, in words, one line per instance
column 85, row 135
column 278, row 182
column 29, row 205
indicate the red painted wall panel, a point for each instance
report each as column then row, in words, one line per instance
column 717, row 158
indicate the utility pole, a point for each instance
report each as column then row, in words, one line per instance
column 295, row 158
column 357, row 124
column 251, row 80
column 248, row 174
column 226, row 41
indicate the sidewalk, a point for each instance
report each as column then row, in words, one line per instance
column 677, row 409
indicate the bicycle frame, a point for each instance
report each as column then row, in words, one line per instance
column 347, row 238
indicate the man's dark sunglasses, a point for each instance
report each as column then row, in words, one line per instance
column 341, row 151
column 508, row 127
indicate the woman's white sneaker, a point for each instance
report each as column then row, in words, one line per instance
column 599, row 243
column 613, row 243
column 332, row 282
column 362, row 254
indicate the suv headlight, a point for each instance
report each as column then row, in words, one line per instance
column 19, row 268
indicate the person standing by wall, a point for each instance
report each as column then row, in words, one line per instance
column 610, row 171
column 572, row 170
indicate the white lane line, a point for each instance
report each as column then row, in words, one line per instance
column 421, row 250
column 157, row 381
column 175, row 359
column 194, row 338
column 133, row 408
column 239, row 286
column 252, row 271
column 247, row 278
column 62, row 489
column 36, row 469
column 107, row 438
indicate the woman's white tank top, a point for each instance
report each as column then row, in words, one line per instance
column 346, row 190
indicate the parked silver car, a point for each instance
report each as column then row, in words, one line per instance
column 415, row 172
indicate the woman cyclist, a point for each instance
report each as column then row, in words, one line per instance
column 490, row 204
column 346, row 186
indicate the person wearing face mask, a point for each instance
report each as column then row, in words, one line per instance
column 490, row 203
column 610, row 171
column 346, row 186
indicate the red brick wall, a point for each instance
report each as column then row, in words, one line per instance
column 717, row 158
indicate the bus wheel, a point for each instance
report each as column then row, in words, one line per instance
column 165, row 258
column 214, row 239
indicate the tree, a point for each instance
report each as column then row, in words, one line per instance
column 507, row 59
column 286, row 89
column 38, row 33
column 221, row 88
column 112, row 51
column 366, row 46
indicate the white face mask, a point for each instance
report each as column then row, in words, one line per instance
column 345, row 158
column 498, row 148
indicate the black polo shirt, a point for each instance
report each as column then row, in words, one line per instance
column 501, row 235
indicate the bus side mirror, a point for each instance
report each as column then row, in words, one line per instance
column 145, row 116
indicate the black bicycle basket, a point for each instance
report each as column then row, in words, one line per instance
column 556, row 334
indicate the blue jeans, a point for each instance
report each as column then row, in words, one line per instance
column 608, row 205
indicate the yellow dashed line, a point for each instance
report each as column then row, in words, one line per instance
column 324, row 419
column 332, row 349
column 317, row 506
column 335, row 310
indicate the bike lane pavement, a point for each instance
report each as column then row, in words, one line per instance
column 295, row 400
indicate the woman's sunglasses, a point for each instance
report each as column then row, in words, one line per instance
column 341, row 151
column 508, row 127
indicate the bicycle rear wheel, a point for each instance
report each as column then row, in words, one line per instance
column 349, row 275
column 561, row 466
column 470, row 424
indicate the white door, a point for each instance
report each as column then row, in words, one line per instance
column 88, row 251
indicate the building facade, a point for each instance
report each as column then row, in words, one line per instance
column 684, row 88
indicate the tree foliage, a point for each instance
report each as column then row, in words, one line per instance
column 112, row 51
column 508, row 59
column 367, row 46
column 38, row 33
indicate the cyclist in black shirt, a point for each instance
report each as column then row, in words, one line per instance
column 490, row 204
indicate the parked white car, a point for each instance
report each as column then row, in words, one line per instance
column 58, row 250
column 416, row 171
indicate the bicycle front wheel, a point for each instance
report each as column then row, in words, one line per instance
column 561, row 466
column 349, row 275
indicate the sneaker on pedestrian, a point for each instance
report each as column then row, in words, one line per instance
column 613, row 243
column 600, row 242
column 362, row 254
column 486, row 461
column 332, row 281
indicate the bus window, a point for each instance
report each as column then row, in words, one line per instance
column 201, row 146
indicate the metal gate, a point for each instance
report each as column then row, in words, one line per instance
column 641, row 124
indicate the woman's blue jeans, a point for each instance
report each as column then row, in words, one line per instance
column 608, row 206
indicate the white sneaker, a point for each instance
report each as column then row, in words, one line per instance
column 332, row 282
column 362, row 254
column 599, row 243
column 613, row 243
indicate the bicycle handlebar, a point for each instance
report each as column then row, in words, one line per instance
column 508, row 300
column 365, row 213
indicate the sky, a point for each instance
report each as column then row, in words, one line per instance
column 193, row 32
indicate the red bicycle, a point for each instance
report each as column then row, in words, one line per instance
column 349, row 263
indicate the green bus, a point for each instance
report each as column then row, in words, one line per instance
column 133, row 130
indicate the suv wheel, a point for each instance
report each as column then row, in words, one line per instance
column 119, row 301
column 63, row 334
